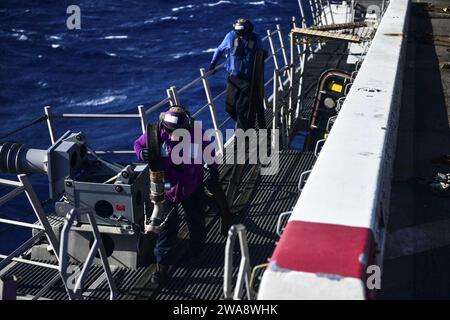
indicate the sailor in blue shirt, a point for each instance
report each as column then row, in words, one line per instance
column 239, row 46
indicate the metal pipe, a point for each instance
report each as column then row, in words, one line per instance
column 31, row 262
column 141, row 111
column 22, row 224
column 19, row 250
column 228, row 263
column 115, row 152
column 97, row 115
column 51, row 130
column 272, row 48
column 11, row 195
column 103, row 257
column 244, row 267
column 10, row 183
column 283, row 49
column 40, row 214
column 274, row 108
column 304, row 25
column 212, row 110
column 157, row 106
column 331, row 11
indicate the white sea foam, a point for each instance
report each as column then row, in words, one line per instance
column 189, row 6
column 257, row 3
column 115, row 37
column 191, row 53
column 169, row 18
column 23, row 37
column 217, row 3
column 111, row 54
column 55, row 37
column 54, row 46
column 100, row 101
column 42, row 83
column 183, row 54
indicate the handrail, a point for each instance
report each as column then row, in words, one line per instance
column 44, row 226
column 97, row 115
column 97, row 247
column 244, row 266
column 145, row 112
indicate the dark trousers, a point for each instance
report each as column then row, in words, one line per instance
column 194, row 214
column 238, row 102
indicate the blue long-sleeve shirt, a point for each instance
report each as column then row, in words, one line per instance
column 238, row 62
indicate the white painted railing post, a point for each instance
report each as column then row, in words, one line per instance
column 304, row 25
column 322, row 11
column 141, row 110
column 302, row 57
column 315, row 19
column 283, row 48
column 212, row 110
column 274, row 108
column 331, row 11
column 274, row 55
column 291, row 85
column 173, row 96
column 51, row 129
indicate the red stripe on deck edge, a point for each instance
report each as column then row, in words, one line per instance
column 324, row 248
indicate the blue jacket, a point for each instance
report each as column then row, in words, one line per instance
column 239, row 53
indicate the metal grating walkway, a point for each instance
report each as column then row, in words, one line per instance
column 274, row 195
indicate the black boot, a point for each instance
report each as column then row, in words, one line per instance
column 160, row 275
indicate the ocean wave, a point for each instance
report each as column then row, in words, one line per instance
column 115, row 37
column 22, row 37
column 111, row 54
column 183, row 54
column 55, row 45
column 191, row 53
column 100, row 101
column 217, row 3
column 189, row 6
column 257, row 3
column 169, row 18
column 209, row 50
column 42, row 83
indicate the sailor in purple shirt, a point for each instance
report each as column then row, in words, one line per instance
column 186, row 180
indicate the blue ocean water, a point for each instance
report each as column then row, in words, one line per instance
column 127, row 53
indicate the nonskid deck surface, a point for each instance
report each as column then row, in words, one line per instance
column 274, row 195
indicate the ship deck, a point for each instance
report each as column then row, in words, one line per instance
column 418, row 243
column 261, row 200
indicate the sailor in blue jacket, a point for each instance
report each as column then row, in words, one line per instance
column 239, row 47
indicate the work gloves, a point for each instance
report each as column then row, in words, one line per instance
column 145, row 154
column 212, row 67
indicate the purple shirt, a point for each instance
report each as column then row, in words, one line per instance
column 184, row 178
